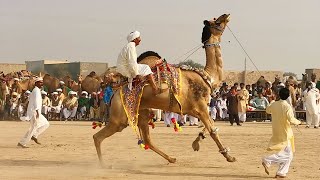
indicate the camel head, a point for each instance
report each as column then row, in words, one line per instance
column 215, row 27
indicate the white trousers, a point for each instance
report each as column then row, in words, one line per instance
column 69, row 113
column 193, row 120
column 157, row 114
column 45, row 109
column 143, row 70
column 83, row 110
column 169, row 116
column 55, row 109
column 242, row 116
column 13, row 107
column 213, row 113
column 312, row 119
column 283, row 158
column 37, row 126
column 223, row 114
column 183, row 119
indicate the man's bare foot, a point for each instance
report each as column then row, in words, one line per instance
column 21, row 145
column 266, row 169
column 35, row 140
column 278, row 176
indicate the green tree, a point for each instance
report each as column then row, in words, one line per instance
column 191, row 63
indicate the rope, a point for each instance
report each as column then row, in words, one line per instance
column 244, row 50
column 194, row 49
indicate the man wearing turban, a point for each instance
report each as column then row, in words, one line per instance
column 127, row 62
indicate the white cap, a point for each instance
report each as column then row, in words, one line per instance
column 14, row 94
column 54, row 93
column 61, row 82
column 84, row 92
column 72, row 92
column 43, row 92
column 27, row 92
column 281, row 85
column 38, row 79
column 16, row 79
column 133, row 35
column 59, row 90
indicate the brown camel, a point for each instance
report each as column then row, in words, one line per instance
column 91, row 83
column 193, row 97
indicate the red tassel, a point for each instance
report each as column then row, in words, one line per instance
column 146, row 146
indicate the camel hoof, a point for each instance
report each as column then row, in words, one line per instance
column 196, row 145
column 172, row 160
column 231, row 159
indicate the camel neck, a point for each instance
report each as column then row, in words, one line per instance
column 213, row 58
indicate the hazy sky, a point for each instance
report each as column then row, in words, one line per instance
column 277, row 34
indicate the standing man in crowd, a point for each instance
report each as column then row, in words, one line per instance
column 127, row 62
column 232, row 104
column 38, row 123
column 243, row 98
column 311, row 99
column 282, row 140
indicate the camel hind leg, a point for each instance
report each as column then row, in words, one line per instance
column 144, row 130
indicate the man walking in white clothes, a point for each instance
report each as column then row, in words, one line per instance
column 38, row 123
column 282, row 140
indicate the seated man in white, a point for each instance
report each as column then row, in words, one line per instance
column 56, row 104
column 46, row 103
column 70, row 105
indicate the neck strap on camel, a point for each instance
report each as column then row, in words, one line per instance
column 216, row 44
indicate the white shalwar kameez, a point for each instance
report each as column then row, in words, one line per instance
column 312, row 109
column 37, row 125
column 222, row 107
column 193, row 120
column 169, row 116
column 127, row 63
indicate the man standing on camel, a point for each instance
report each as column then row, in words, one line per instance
column 127, row 63
column 38, row 123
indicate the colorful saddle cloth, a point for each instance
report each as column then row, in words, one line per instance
column 162, row 72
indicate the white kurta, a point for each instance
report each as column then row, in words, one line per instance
column 310, row 98
column 37, row 125
column 127, row 63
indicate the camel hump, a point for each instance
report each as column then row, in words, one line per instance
column 147, row 54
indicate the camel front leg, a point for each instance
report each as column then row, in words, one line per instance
column 144, row 130
column 105, row 132
column 205, row 118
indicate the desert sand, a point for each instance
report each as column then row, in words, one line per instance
column 67, row 152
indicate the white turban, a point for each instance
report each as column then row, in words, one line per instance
column 27, row 92
column 43, row 92
column 133, row 35
column 84, row 92
column 59, row 90
column 38, row 79
column 61, row 82
column 16, row 79
column 281, row 85
column 72, row 92
column 55, row 93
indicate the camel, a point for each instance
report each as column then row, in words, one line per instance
column 91, row 83
column 193, row 97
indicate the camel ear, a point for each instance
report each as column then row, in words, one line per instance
column 206, row 23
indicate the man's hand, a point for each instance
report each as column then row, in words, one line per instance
column 37, row 115
column 140, row 77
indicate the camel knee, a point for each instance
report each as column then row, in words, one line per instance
column 213, row 131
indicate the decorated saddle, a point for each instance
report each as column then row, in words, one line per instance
column 163, row 73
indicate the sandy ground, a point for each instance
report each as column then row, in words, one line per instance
column 68, row 152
